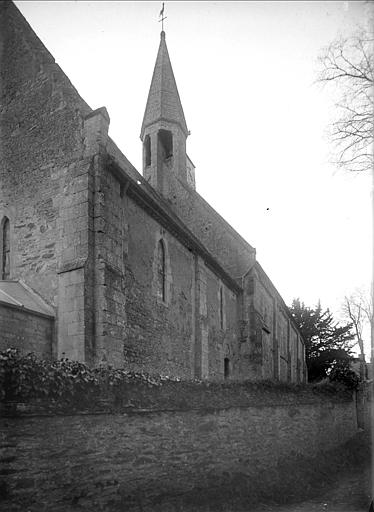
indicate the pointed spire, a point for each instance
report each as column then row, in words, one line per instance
column 163, row 99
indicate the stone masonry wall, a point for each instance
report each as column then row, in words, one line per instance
column 263, row 305
column 223, row 333
column 26, row 331
column 282, row 337
column 49, row 151
column 85, row 247
column 258, row 347
column 159, row 332
column 271, row 347
column 45, row 179
column 267, row 348
column 41, row 135
column 135, row 328
column 177, row 336
column 158, row 461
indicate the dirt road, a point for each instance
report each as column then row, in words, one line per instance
column 350, row 493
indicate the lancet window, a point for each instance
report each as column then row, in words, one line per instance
column 5, row 260
column 161, row 271
column 147, row 150
column 221, row 307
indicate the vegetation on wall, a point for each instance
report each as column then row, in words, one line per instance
column 25, row 377
column 328, row 345
column 64, row 383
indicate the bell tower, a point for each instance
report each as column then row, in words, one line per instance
column 164, row 129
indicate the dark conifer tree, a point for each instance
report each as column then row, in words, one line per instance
column 327, row 344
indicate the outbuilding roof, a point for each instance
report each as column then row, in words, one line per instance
column 18, row 294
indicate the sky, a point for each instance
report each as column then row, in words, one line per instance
column 259, row 122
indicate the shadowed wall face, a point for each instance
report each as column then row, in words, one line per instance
column 137, row 460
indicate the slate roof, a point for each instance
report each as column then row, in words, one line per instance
column 163, row 97
column 16, row 293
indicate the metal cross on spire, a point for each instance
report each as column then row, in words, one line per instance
column 162, row 16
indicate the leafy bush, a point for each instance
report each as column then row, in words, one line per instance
column 65, row 383
column 25, row 378
column 344, row 375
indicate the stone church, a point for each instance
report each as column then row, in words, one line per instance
column 105, row 265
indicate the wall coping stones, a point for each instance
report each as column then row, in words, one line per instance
column 21, row 409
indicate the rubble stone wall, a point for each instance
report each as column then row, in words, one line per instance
column 151, row 461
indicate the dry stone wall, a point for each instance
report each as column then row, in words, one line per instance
column 161, row 460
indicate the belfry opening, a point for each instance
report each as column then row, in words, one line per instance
column 165, row 144
column 147, row 151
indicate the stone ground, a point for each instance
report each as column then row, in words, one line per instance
column 350, row 493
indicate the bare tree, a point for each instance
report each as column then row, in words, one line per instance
column 349, row 64
column 358, row 309
column 353, row 310
column 367, row 302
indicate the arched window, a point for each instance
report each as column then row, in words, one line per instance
column 5, row 259
column 161, row 271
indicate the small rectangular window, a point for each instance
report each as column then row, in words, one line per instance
column 221, row 307
column 226, row 369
